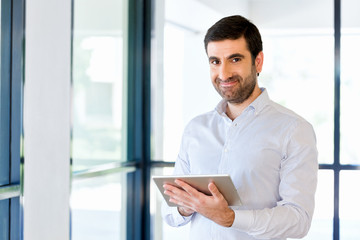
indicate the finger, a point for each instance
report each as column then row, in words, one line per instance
column 182, row 204
column 214, row 190
column 170, row 187
column 170, row 190
column 173, row 192
column 177, row 194
column 186, row 187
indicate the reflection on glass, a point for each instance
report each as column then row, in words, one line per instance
column 350, row 84
column 97, row 82
column 159, row 228
column 349, row 205
column 98, row 208
column 322, row 223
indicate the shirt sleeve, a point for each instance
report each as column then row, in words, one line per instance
column 171, row 215
column 292, row 215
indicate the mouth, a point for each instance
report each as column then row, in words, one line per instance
column 227, row 84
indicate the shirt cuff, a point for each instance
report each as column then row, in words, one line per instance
column 244, row 219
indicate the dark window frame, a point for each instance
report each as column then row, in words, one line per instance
column 138, row 141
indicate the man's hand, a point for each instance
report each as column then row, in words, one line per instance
column 189, row 200
column 184, row 211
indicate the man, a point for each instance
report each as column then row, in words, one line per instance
column 269, row 151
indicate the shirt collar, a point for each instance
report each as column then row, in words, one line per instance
column 257, row 105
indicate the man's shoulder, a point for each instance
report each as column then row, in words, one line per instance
column 285, row 116
column 203, row 119
column 285, row 112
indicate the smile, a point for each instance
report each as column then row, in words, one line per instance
column 228, row 84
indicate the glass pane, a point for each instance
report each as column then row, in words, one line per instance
column 4, row 219
column 98, row 73
column 98, row 208
column 298, row 48
column 4, row 93
column 349, row 205
column 180, row 71
column 350, row 84
column 160, row 229
column 322, row 223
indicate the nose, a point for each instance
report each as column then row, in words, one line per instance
column 225, row 72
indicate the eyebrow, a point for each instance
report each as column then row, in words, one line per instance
column 234, row 55
column 212, row 58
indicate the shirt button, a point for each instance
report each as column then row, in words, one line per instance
column 235, row 124
column 225, row 149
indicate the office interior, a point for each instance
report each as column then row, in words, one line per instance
column 95, row 95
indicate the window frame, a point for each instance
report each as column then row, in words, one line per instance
column 337, row 166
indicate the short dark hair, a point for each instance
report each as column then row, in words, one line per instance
column 234, row 27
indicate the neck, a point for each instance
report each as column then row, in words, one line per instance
column 233, row 110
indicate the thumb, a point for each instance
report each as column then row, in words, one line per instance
column 214, row 190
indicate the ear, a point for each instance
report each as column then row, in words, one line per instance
column 259, row 60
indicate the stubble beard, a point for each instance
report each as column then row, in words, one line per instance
column 242, row 91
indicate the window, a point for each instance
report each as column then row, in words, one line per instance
column 10, row 117
column 99, row 184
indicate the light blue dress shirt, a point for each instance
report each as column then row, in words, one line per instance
column 270, row 153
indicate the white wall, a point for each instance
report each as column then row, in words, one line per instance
column 47, row 119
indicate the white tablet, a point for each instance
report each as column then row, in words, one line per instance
column 200, row 182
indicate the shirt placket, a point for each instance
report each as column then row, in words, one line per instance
column 234, row 129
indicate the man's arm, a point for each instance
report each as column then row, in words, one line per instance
column 292, row 215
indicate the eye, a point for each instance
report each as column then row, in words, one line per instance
column 237, row 59
column 215, row 62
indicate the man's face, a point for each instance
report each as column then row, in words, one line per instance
column 232, row 71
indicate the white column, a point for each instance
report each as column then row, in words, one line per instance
column 47, row 91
